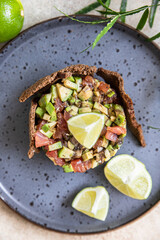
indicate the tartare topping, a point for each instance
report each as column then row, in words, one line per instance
column 80, row 123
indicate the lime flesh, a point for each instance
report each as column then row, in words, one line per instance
column 129, row 176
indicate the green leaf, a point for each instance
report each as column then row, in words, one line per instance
column 108, row 3
column 153, row 12
column 154, row 37
column 143, row 20
column 137, row 10
column 154, row 128
column 87, row 22
column 105, row 30
column 89, row 8
column 123, row 9
column 105, row 6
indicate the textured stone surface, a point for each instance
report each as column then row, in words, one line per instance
column 20, row 228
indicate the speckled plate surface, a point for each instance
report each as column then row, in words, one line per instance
column 36, row 188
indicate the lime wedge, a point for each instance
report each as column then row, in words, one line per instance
column 92, row 201
column 129, row 176
column 86, row 128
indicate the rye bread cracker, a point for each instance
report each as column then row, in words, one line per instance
column 45, row 82
column 32, row 115
column 116, row 81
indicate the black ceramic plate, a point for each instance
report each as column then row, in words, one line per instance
column 36, row 188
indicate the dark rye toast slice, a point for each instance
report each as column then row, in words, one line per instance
column 116, row 81
column 112, row 78
column 45, row 82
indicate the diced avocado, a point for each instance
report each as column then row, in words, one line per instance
column 72, row 79
column 107, row 105
column 63, row 92
column 65, row 152
column 113, row 118
column 100, row 107
column 105, row 142
column 110, row 148
column 120, row 119
column 55, row 146
column 107, row 155
column 75, row 93
column 51, row 110
column 52, row 124
column 86, row 93
column 78, row 102
column 88, row 155
column 44, row 100
column 40, row 112
column 70, row 145
column 53, row 91
column 84, row 110
column 108, row 123
column 87, row 104
column 110, row 94
column 70, row 84
column 49, row 126
column 94, row 163
column 79, row 83
column 47, row 134
column 67, row 168
column 118, row 107
column 72, row 100
column 45, row 127
column 46, row 117
column 73, row 110
column 96, row 111
column 97, row 93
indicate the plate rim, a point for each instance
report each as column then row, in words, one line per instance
column 146, row 212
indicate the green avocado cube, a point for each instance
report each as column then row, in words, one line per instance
column 100, row 107
column 47, row 134
column 54, row 94
column 67, row 168
column 65, row 152
column 85, row 94
column 71, row 79
column 110, row 94
column 45, row 127
column 40, row 112
column 84, row 110
column 88, row 155
column 79, row 83
column 51, row 110
column 72, row 100
column 44, row 100
column 46, row 117
column 120, row 119
column 63, row 92
column 87, row 104
column 108, row 123
column 70, row 84
column 55, row 146
column 70, row 145
column 73, row 110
